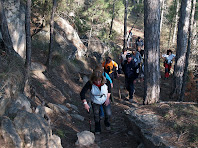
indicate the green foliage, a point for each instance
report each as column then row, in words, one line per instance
column 81, row 24
column 172, row 12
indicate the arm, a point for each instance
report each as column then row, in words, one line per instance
column 107, row 102
column 116, row 65
column 82, row 95
column 108, row 78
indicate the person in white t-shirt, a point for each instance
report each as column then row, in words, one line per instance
column 168, row 59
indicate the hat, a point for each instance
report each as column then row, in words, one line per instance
column 128, row 55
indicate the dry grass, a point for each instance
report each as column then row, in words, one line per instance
column 181, row 119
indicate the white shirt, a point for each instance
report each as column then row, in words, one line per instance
column 169, row 57
column 99, row 96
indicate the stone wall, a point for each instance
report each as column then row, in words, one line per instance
column 15, row 14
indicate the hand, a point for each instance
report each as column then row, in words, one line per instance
column 87, row 107
column 107, row 102
column 111, row 85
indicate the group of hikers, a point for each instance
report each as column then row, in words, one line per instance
column 101, row 81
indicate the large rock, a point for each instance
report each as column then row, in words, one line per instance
column 3, row 104
column 55, row 142
column 21, row 103
column 68, row 38
column 9, row 133
column 85, row 138
column 144, row 125
column 34, row 130
column 15, row 14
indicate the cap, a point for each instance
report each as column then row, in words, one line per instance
column 128, row 55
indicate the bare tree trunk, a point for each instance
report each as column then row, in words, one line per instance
column 162, row 14
column 28, row 36
column 152, row 51
column 193, row 60
column 182, row 42
column 176, row 20
column 125, row 23
column 188, row 49
column 5, row 32
column 90, row 33
column 113, row 15
column 28, row 44
column 51, row 35
column 169, row 38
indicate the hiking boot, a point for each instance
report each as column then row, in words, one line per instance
column 97, row 128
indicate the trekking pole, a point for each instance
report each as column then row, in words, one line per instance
column 89, row 121
column 89, row 116
column 120, row 96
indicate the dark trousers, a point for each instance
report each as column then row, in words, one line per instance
column 167, row 69
column 96, row 112
column 130, row 87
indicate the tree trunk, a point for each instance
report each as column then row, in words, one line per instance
column 188, row 50
column 28, row 35
column 193, row 60
column 152, row 51
column 182, row 42
column 113, row 15
column 5, row 32
column 176, row 20
column 169, row 38
column 162, row 14
column 51, row 34
column 125, row 23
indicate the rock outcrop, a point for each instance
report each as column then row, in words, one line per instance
column 15, row 15
column 68, row 38
column 23, row 128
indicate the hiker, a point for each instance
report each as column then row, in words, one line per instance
column 129, row 39
column 110, row 67
column 122, row 59
column 168, row 59
column 129, row 69
column 137, row 59
column 100, row 69
column 100, row 91
column 139, row 46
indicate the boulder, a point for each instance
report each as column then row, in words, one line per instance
column 85, row 138
column 66, row 35
column 9, row 133
column 33, row 129
column 55, row 142
column 21, row 103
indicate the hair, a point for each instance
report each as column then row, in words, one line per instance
column 169, row 51
column 124, row 50
column 97, row 74
column 108, row 59
column 138, row 37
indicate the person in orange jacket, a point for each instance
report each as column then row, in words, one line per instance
column 110, row 67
